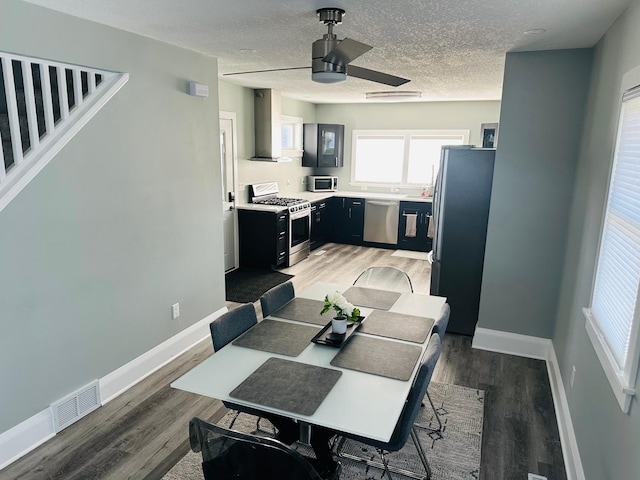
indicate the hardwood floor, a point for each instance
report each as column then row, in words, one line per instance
column 142, row 433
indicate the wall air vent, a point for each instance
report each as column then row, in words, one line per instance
column 75, row 406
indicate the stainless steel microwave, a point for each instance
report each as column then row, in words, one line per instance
column 322, row 183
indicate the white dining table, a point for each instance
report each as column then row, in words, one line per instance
column 359, row 403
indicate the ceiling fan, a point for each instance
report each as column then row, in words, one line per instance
column 331, row 58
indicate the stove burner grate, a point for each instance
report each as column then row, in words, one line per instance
column 279, row 201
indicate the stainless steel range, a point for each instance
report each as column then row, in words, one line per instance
column 299, row 213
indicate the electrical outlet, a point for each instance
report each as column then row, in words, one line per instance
column 175, row 310
column 573, row 375
column 303, row 180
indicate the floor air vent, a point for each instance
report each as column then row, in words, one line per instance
column 75, row 406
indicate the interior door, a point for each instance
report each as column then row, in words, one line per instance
column 229, row 181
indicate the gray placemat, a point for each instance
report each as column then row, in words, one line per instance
column 278, row 337
column 398, row 325
column 379, row 357
column 371, row 297
column 304, row 310
column 295, row 387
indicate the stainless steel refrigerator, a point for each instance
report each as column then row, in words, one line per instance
column 460, row 214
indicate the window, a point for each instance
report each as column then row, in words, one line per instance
column 408, row 158
column 614, row 316
column 291, row 136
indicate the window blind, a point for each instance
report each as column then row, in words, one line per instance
column 615, row 297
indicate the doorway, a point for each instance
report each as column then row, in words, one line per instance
column 229, row 167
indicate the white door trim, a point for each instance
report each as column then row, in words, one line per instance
column 234, row 127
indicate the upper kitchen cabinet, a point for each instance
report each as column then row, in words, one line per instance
column 323, row 145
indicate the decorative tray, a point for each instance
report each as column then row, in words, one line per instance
column 337, row 340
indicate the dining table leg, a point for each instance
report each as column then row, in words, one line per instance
column 305, row 433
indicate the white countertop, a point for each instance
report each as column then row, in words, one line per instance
column 319, row 196
column 316, row 196
column 259, row 207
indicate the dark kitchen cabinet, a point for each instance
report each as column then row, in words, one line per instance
column 319, row 223
column 348, row 220
column 407, row 239
column 323, row 145
column 264, row 238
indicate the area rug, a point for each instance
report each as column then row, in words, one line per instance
column 246, row 285
column 453, row 454
column 410, row 254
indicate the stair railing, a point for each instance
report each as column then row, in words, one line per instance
column 43, row 104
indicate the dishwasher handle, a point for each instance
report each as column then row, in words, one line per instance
column 383, row 204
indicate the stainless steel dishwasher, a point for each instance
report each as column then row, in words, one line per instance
column 381, row 221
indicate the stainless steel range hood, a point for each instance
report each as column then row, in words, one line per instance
column 267, row 108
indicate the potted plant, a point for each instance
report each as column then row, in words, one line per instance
column 345, row 311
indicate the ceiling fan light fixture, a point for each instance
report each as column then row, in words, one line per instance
column 328, row 77
column 391, row 96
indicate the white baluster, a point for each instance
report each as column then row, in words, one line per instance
column 92, row 82
column 77, row 86
column 47, row 98
column 62, row 93
column 30, row 102
column 3, row 173
column 12, row 108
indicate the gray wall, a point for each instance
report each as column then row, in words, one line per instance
column 120, row 225
column 289, row 176
column 608, row 438
column 410, row 116
column 541, row 118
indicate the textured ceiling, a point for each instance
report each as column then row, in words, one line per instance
column 450, row 49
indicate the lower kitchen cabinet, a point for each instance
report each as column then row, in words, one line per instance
column 319, row 223
column 264, row 238
column 348, row 220
column 420, row 212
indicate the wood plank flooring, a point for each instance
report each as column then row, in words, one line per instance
column 142, row 433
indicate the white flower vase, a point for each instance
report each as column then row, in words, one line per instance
column 339, row 325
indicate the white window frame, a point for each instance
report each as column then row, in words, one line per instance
column 297, row 123
column 407, row 134
column 622, row 378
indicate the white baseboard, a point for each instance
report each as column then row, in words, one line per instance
column 511, row 343
column 125, row 377
column 570, row 452
column 542, row 349
column 24, row 437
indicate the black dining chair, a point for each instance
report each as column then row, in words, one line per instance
column 231, row 455
column 225, row 329
column 405, row 427
column 276, row 297
column 385, row 277
column 439, row 328
column 232, row 324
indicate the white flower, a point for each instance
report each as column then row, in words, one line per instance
column 337, row 302
column 345, row 306
column 335, row 298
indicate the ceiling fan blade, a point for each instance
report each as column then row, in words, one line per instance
column 374, row 76
column 264, row 71
column 346, row 51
